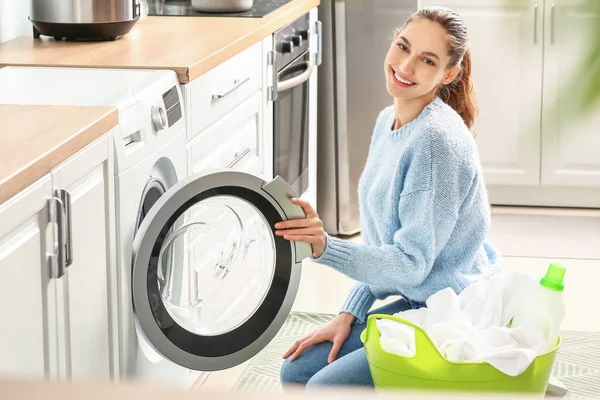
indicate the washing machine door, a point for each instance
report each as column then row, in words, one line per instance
column 211, row 282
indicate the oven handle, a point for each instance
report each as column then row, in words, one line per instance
column 297, row 80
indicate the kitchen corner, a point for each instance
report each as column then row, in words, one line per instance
column 161, row 109
column 190, row 46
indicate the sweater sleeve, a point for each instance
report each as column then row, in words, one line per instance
column 359, row 301
column 425, row 228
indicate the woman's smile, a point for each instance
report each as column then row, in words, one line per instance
column 401, row 80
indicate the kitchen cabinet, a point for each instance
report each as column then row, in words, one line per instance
column 83, row 303
column 570, row 147
column 506, row 48
column 522, row 51
column 28, row 338
column 57, row 263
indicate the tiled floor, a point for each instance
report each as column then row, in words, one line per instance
column 323, row 290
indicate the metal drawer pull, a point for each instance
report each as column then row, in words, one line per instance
column 65, row 197
column 297, row 80
column 57, row 260
column 238, row 157
column 236, row 84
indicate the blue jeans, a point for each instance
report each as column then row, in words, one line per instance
column 350, row 367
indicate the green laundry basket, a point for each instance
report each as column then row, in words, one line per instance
column 428, row 369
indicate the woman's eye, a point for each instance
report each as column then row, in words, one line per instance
column 428, row 61
column 402, row 47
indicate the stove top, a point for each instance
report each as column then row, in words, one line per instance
column 183, row 8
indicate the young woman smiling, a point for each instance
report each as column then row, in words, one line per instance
column 424, row 208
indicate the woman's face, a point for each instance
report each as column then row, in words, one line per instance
column 417, row 61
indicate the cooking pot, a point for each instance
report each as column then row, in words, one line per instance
column 222, row 6
column 84, row 19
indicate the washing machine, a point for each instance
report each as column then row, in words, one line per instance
column 203, row 282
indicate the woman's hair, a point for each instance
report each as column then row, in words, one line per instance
column 460, row 93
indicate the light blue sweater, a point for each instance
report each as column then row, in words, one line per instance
column 424, row 213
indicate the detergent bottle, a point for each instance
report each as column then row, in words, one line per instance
column 544, row 307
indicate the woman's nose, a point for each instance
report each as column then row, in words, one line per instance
column 407, row 67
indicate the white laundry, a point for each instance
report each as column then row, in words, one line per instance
column 473, row 326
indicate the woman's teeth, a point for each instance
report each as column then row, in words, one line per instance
column 403, row 80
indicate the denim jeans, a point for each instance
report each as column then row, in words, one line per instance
column 350, row 367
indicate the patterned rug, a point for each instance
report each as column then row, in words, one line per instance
column 577, row 365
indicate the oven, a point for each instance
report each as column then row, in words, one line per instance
column 292, row 69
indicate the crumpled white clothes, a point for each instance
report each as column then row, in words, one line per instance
column 472, row 326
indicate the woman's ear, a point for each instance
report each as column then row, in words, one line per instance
column 454, row 71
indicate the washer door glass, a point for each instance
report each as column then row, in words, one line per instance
column 211, row 282
column 215, row 269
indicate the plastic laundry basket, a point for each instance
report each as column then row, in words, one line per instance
column 428, row 369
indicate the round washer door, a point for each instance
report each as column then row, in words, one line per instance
column 211, row 283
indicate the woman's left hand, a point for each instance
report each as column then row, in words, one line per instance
column 308, row 229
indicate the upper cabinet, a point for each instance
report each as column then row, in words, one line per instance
column 507, row 50
column 523, row 51
column 571, row 147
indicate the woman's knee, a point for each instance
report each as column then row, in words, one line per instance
column 290, row 373
column 299, row 371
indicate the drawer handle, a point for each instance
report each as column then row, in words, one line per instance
column 65, row 198
column 236, row 84
column 238, row 157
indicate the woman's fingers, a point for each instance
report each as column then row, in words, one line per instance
column 294, row 223
column 308, row 210
column 337, row 345
column 305, row 345
column 299, row 231
column 296, row 345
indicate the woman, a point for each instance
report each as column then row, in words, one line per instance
column 423, row 202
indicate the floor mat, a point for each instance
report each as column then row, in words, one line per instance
column 577, row 365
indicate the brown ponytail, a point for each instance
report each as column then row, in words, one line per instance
column 460, row 93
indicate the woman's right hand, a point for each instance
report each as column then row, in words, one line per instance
column 335, row 331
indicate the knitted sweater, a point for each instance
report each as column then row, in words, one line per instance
column 424, row 213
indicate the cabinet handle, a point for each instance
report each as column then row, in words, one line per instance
column 319, row 29
column 65, row 197
column 535, row 18
column 552, row 23
column 272, row 62
column 238, row 157
column 236, row 84
column 57, row 259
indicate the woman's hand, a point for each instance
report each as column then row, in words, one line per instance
column 335, row 331
column 308, row 229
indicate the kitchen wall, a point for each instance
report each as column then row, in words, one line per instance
column 13, row 19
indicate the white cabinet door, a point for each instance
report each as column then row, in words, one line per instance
column 506, row 43
column 28, row 329
column 571, row 148
column 83, row 292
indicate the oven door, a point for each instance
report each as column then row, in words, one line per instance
column 291, row 123
column 212, row 284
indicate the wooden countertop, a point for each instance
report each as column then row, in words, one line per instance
column 188, row 45
column 36, row 139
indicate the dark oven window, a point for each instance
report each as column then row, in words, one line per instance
column 290, row 138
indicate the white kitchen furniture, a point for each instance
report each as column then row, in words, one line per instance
column 149, row 158
column 230, row 113
column 59, row 317
column 523, row 51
